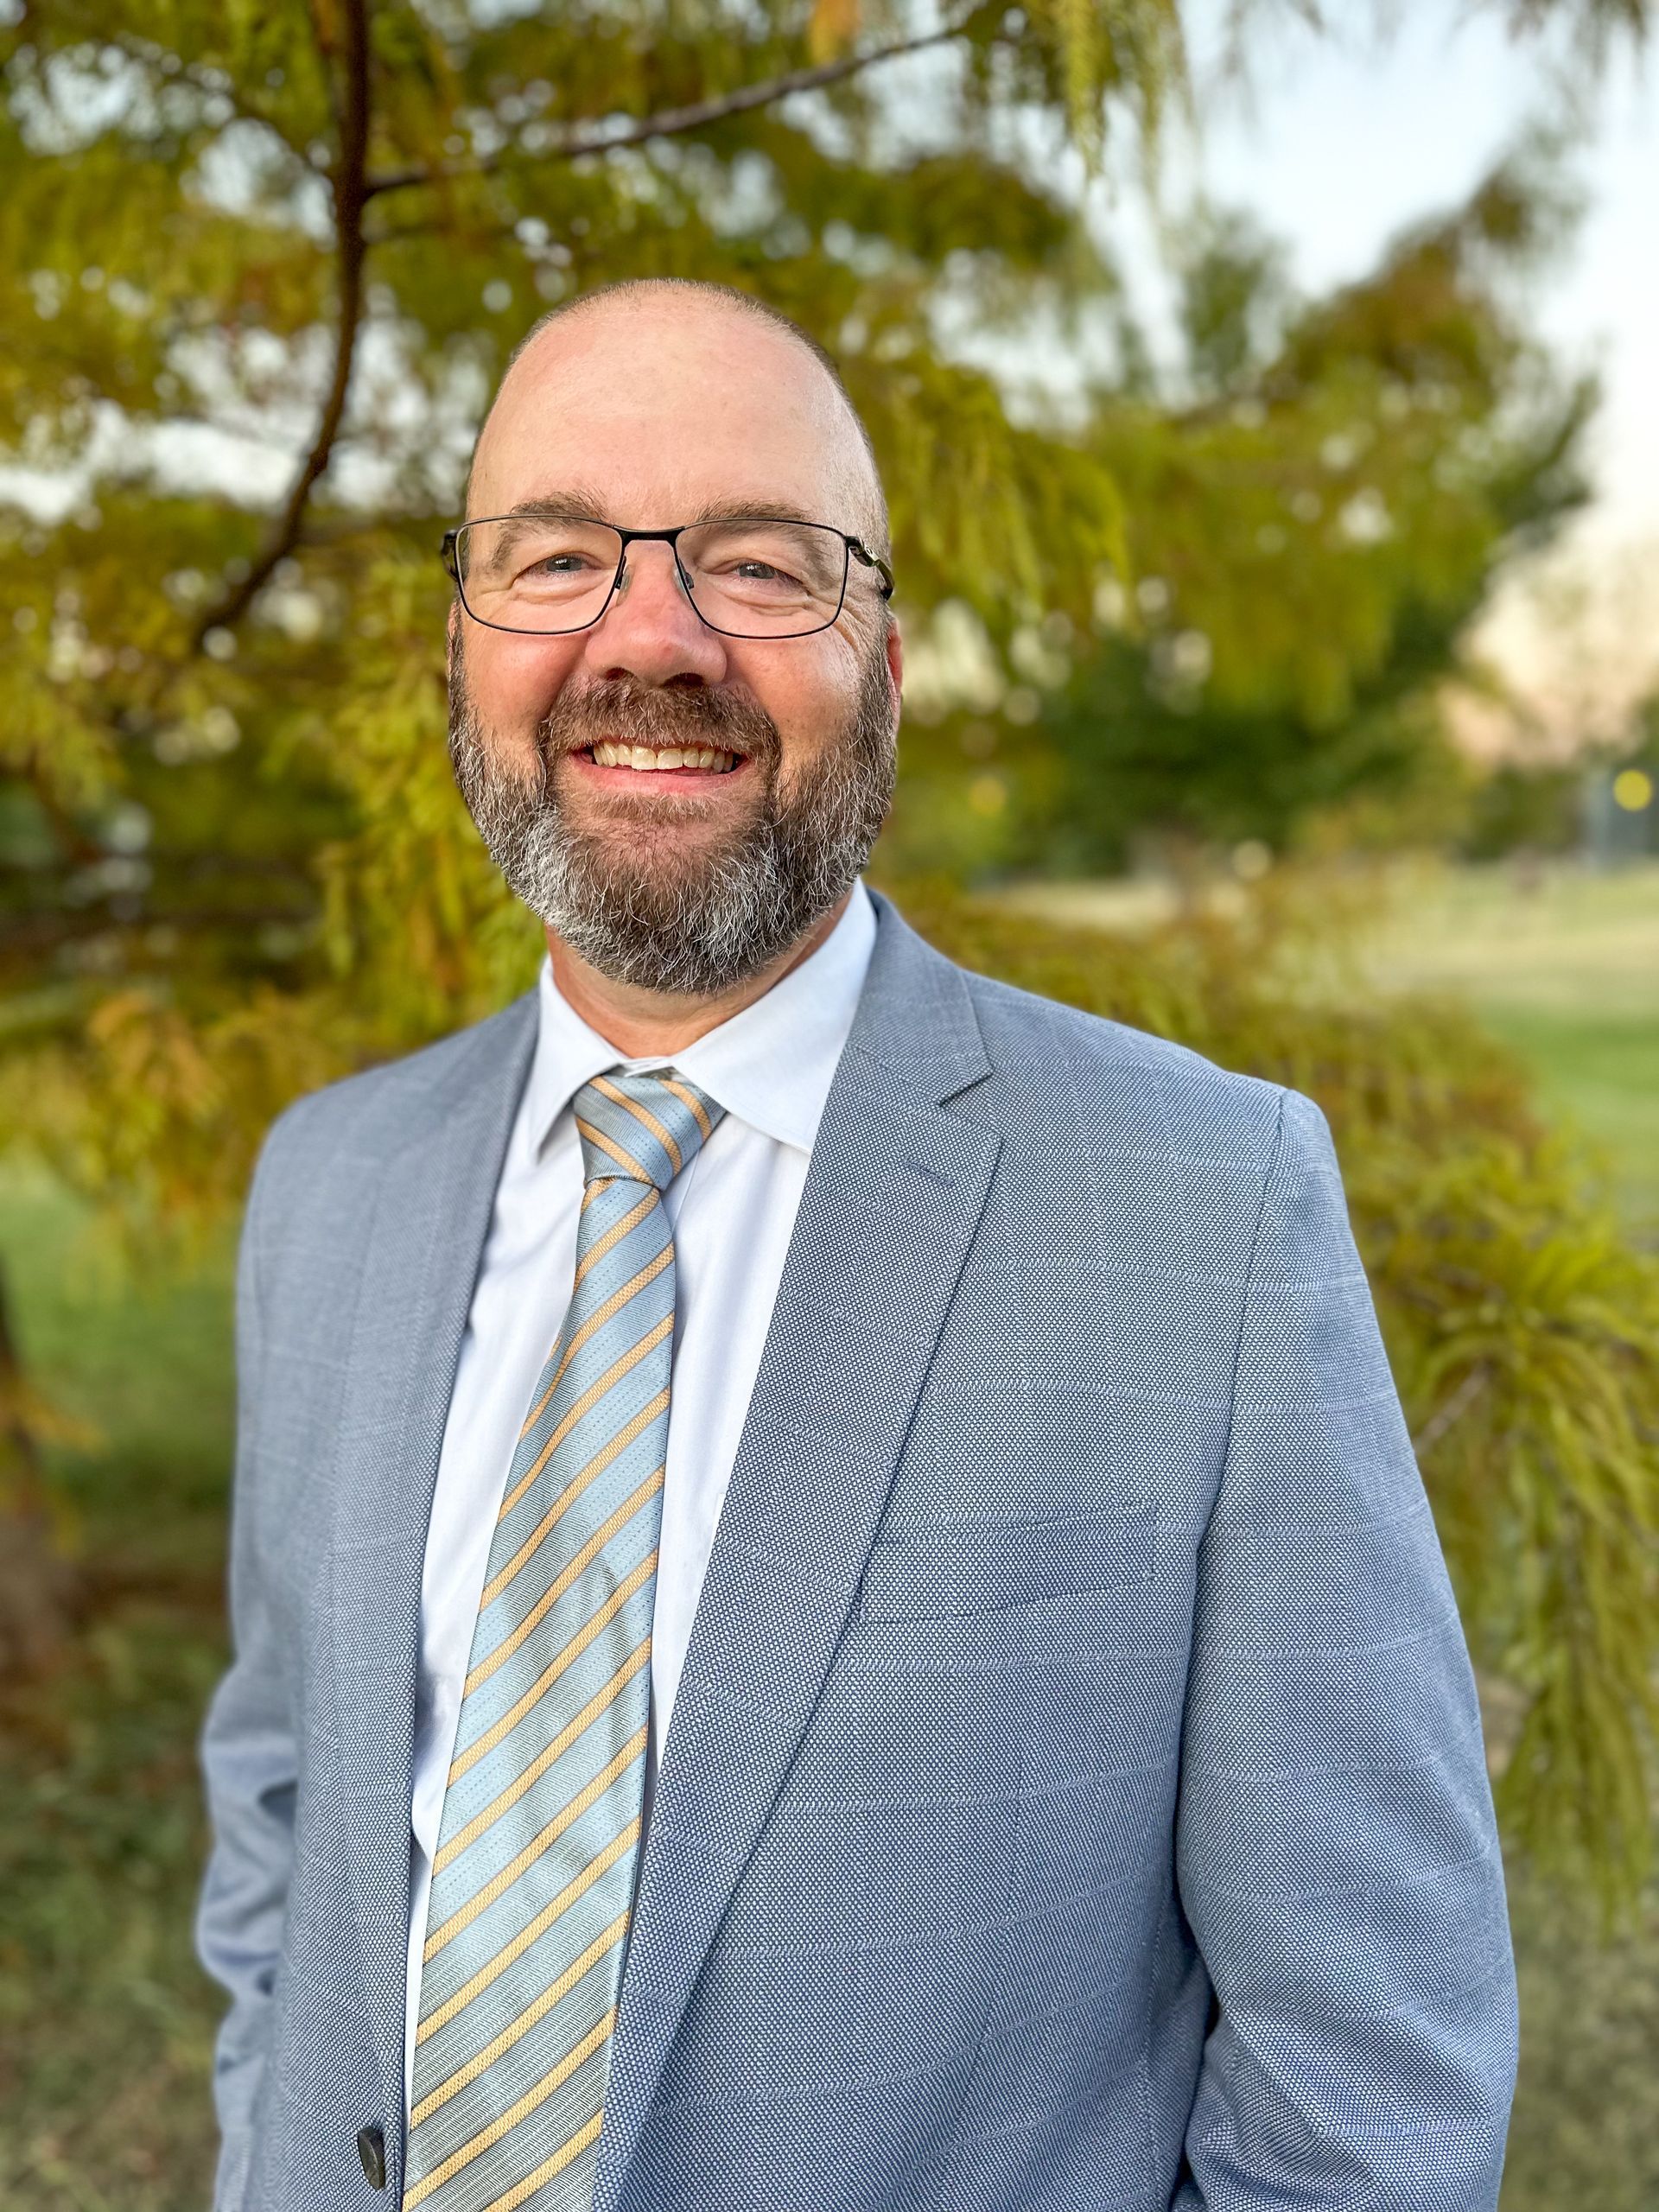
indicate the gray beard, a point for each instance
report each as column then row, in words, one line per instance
column 689, row 925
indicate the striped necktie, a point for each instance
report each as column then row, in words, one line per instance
column 533, row 1879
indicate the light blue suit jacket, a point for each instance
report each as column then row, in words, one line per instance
column 1075, row 1800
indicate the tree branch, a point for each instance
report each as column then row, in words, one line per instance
column 668, row 122
column 350, row 180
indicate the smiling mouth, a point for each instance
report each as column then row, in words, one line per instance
column 657, row 758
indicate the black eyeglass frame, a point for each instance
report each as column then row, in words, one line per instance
column 450, row 540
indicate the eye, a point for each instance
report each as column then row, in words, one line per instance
column 565, row 562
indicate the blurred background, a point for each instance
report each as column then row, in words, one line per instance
column 1264, row 392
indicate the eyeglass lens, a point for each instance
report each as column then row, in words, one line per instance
column 750, row 579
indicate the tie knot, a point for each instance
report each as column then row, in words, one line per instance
column 642, row 1127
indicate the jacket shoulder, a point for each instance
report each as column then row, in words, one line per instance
column 1108, row 1071
column 348, row 1128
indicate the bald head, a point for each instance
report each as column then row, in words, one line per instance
column 654, row 392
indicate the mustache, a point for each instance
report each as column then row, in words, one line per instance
column 623, row 709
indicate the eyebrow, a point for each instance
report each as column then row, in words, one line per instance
column 580, row 503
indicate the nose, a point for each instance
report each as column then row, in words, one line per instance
column 651, row 631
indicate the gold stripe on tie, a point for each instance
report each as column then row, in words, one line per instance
column 614, row 1304
column 516, row 2030
column 643, row 1115
column 538, row 2096
column 612, row 1237
column 465, row 1762
column 465, row 1914
column 582, row 1334
column 550, row 1596
column 612, row 1150
column 622, row 1514
column 560, row 2159
column 585, row 1404
column 635, row 1426
column 596, row 1252
column 493, row 1968
column 549, row 1674
column 688, row 1097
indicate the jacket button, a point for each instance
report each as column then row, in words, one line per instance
column 372, row 2149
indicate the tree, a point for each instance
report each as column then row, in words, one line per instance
column 238, row 864
column 288, row 251
column 1319, row 506
column 294, row 245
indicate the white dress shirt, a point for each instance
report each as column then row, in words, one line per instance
column 733, row 1211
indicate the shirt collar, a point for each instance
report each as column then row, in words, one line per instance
column 770, row 1065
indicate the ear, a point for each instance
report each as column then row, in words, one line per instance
column 895, row 664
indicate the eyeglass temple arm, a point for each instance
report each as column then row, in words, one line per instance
column 872, row 561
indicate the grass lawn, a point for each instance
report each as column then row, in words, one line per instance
column 1564, row 966
column 105, row 2021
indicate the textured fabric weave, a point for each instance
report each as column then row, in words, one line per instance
column 538, row 1849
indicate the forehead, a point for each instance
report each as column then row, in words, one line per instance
column 666, row 411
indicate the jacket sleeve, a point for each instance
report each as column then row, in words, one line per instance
column 1337, row 1852
column 249, row 1767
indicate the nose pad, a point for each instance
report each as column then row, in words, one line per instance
column 625, row 572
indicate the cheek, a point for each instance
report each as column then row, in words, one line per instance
column 809, row 692
column 515, row 680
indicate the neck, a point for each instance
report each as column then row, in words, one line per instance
column 643, row 1023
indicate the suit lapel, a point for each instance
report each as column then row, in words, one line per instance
column 892, row 1202
column 430, row 1221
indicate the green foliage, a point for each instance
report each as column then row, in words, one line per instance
column 1313, row 529
column 1522, row 1331
column 235, row 861
column 105, row 2106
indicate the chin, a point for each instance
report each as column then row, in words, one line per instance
column 655, row 822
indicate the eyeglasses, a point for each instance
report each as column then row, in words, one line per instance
column 746, row 576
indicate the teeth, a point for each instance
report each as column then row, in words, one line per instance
column 610, row 755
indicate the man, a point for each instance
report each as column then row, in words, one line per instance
column 832, row 1604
